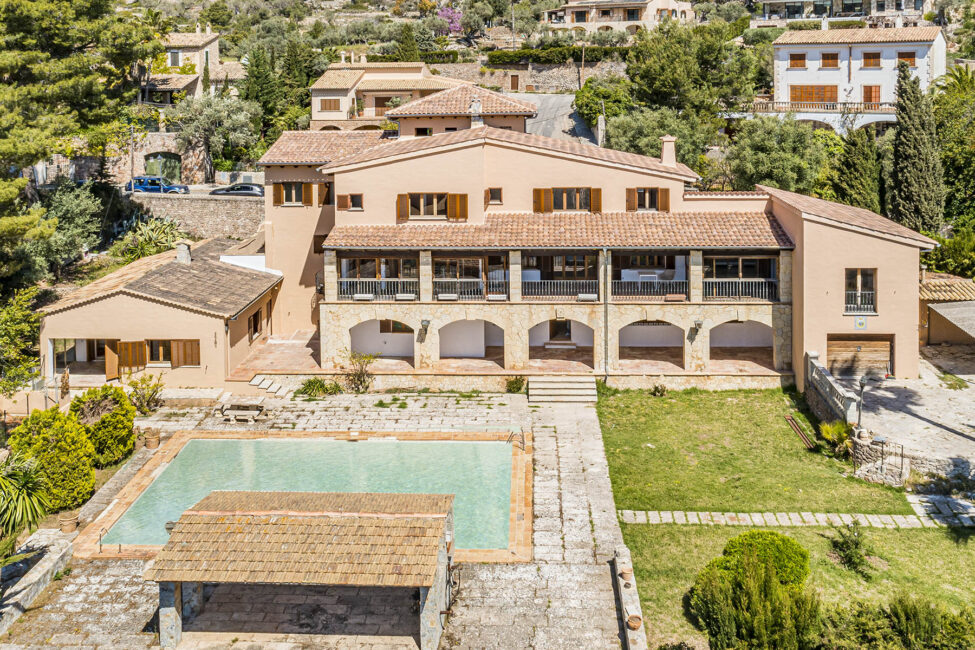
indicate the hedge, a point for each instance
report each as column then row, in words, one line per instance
column 790, row 559
column 565, row 54
column 63, row 451
column 434, row 56
column 107, row 415
column 801, row 25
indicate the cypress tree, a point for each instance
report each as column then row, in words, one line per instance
column 407, row 49
column 857, row 178
column 262, row 86
column 205, row 80
column 918, row 194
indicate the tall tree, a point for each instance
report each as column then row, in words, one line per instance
column 954, row 114
column 782, row 153
column 406, row 49
column 857, row 171
column 19, row 330
column 214, row 124
column 918, row 193
column 262, row 86
column 609, row 95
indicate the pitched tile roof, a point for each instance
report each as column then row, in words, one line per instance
column 540, row 142
column 341, row 79
column 359, row 65
column 848, row 214
column 575, row 230
column 189, row 39
column 306, row 538
column 946, row 287
column 205, row 284
column 319, row 147
column 171, row 81
column 457, row 101
column 232, row 70
column 422, row 83
column 853, row 36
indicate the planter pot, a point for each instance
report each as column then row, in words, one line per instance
column 626, row 575
column 68, row 523
column 634, row 622
column 152, row 439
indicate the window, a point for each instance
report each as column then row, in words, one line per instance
column 606, row 13
column 291, row 193
column 815, row 94
column 907, row 57
column 324, row 194
column 797, row 60
column 871, row 94
column 159, row 351
column 644, row 262
column 329, row 105
column 458, row 268
column 428, row 205
column 254, row 323
column 730, row 268
column 829, row 60
column 575, row 267
column 579, row 16
column 570, row 198
column 355, row 202
column 632, row 15
column 861, row 291
column 494, row 195
column 449, row 129
column 424, row 131
column 174, row 56
column 394, row 327
column 871, row 59
column 646, row 198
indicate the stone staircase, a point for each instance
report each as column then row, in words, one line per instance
column 272, row 386
column 567, row 388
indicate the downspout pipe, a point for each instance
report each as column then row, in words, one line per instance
column 605, row 314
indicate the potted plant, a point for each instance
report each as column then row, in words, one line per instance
column 68, row 522
column 151, row 438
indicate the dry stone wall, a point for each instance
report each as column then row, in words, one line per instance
column 207, row 216
column 543, row 77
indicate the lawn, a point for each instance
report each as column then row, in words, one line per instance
column 924, row 562
column 726, row 451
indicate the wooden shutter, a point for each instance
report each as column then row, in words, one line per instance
column 322, row 193
column 185, row 353
column 595, row 199
column 456, row 207
column 631, row 199
column 306, row 194
column 278, row 194
column 537, row 198
column 403, row 207
column 90, row 349
column 342, row 201
column 547, row 199
column 131, row 355
column 663, row 199
column 487, row 197
column 111, row 360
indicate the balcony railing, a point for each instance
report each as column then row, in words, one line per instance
column 822, row 107
column 560, row 289
column 659, row 289
column 468, row 289
column 861, row 302
column 382, row 289
column 741, row 289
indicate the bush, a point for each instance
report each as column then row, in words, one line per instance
column 850, row 545
column 839, row 436
column 916, row 621
column 657, row 390
column 358, row 379
column 107, row 416
column 514, row 384
column 318, row 387
column 557, row 55
column 145, row 393
column 787, row 556
column 61, row 447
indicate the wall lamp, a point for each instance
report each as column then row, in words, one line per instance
column 421, row 334
column 698, row 324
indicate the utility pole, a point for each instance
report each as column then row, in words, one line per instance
column 131, row 158
column 512, row 24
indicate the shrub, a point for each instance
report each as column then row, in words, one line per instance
column 318, row 387
column 787, row 556
column 145, row 393
column 839, row 436
column 909, row 623
column 514, row 384
column 859, row 625
column 61, row 447
column 557, row 55
column 358, row 379
column 916, row 621
column 107, row 416
column 657, row 390
column 850, row 545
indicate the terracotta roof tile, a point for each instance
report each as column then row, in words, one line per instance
column 171, row 81
column 847, row 214
column 487, row 133
column 853, row 36
column 319, row 147
column 457, row 101
column 423, row 83
column 358, row 65
column 946, row 287
column 575, row 230
column 189, row 39
column 333, row 79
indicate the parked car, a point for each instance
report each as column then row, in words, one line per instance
column 156, row 184
column 240, row 189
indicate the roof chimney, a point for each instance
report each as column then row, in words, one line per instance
column 824, row 23
column 343, row 55
column 363, row 58
column 899, row 21
column 475, row 111
column 183, row 252
column 198, row 28
column 668, row 150
column 209, row 28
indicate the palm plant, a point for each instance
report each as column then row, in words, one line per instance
column 23, row 495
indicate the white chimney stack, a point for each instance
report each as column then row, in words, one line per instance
column 363, row 59
column 475, row 111
column 209, row 28
column 183, row 252
column 668, row 150
column 198, row 28
column 343, row 55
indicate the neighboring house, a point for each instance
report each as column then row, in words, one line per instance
column 876, row 13
column 847, row 78
column 585, row 16
column 461, row 108
column 947, row 309
column 192, row 51
column 354, row 95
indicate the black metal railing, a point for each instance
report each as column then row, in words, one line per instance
column 463, row 289
column 861, row 302
column 641, row 289
column 741, row 289
column 380, row 289
column 540, row 289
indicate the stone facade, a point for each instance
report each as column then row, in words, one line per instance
column 207, row 216
column 119, row 166
column 436, row 598
column 543, row 77
column 881, row 461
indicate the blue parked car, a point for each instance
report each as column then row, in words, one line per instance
column 156, row 184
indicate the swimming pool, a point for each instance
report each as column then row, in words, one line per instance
column 477, row 473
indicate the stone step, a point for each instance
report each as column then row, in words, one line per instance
column 282, row 391
column 541, row 399
column 256, row 380
column 274, row 388
column 562, row 392
column 550, row 385
column 265, row 383
column 575, row 379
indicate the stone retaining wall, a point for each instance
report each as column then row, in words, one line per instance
column 55, row 550
column 544, row 77
column 882, row 462
column 207, row 216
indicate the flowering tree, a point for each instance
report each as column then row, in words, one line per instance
column 453, row 18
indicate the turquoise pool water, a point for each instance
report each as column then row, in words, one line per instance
column 477, row 473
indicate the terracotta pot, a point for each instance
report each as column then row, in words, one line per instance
column 68, row 523
column 626, row 575
column 151, row 439
column 634, row 622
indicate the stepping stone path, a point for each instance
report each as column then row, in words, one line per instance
column 931, row 511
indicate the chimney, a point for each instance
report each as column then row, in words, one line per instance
column 824, row 23
column 183, row 252
column 363, row 59
column 475, row 111
column 198, row 28
column 668, row 151
column 924, row 272
column 343, row 55
column 899, row 21
column 209, row 28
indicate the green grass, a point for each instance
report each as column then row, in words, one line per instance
column 953, row 382
column 727, row 451
column 924, row 562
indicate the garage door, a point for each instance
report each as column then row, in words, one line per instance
column 856, row 356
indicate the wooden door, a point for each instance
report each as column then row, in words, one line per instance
column 514, row 82
column 131, row 356
column 111, row 360
column 851, row 356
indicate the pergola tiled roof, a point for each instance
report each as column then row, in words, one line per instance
column 847, row 214
column 457, row 101
column 337, row 79
column 422, row 83
column 189, row 39
column 574, row 230
column 854, row 36
column 946, row 287
column 306, row 538
column 165, row 82
column 319, row 147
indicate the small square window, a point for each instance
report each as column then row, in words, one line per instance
column 908, row 58
column 830, row 60
column 355, row 201
column 494, row 195
column 871, row 59
column 425, row 131
column 797, row 60
column 450, row 129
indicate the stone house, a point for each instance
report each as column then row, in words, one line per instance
column 587, row 16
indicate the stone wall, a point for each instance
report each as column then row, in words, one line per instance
column 880, row 461
column 119, row 166
column 202, row 215
column 544, row 77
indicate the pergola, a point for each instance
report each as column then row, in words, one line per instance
column 307, row 539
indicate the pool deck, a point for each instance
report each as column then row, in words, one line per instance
column 87, row 545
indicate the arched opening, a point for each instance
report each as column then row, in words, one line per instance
column 561, row 345
column 367, row 127
column 880, row 127
column 741, row 347
column 390, row 340
column 605, row 28
column 330, row 127
column 165, row 164
column 632, row 29
column 651, row 347
column 817, row 125
column 471, row 345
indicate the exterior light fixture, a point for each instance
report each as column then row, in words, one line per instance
column 698, row 324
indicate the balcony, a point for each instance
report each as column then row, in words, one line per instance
column 388, row 289
column 658, row 291
column 822, row 107
column 469, row 289
column 744, row 289
column 861, row 302
column 579, row 290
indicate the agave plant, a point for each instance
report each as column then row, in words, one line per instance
column 148, row 238
column 23, row 495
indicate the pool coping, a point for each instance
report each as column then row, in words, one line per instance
column 87, row 545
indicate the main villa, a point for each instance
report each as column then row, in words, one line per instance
column 468, row 254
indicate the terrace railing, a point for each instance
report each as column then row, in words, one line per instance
column 459, row 289
column 822, row 107
column 379, row 289
column 736, row 289
column 861, row 302
column 631, row 289
column 559, row 289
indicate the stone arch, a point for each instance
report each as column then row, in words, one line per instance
column 167, row 164
column 367, row 127
column 330, row 127
column 818, row 125
column 605, row 28
column 388, row 338
column 562, row 343
column 472, row 338
column 742, row 346
column 651, row 346
column 632, row 29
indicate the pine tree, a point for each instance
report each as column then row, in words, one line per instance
column 262, row 87
column 918, row 193
column 407, row 49
column 857, row 178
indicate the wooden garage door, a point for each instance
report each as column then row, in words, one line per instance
column 849, row 356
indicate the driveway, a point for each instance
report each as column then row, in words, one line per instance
column 556, row 117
